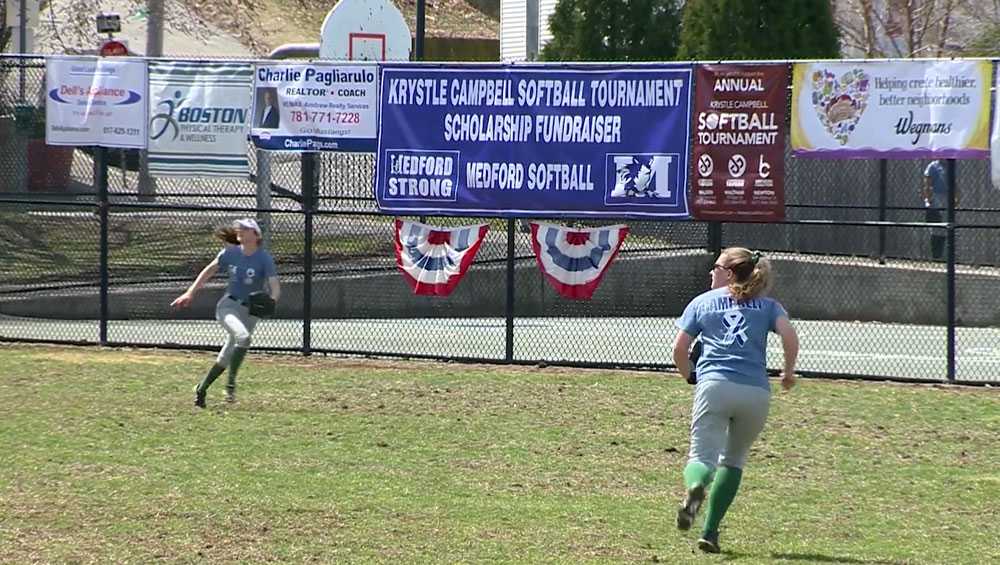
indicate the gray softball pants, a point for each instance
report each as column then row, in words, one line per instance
column 726, row 419
column 239, row 325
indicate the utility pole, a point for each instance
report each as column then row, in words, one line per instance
column 531, row 30
column 154, row 48
column 418, row 46
column 22, row 44
column 154, row 28
column 22, row 25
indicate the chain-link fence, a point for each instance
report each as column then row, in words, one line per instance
column 88, row 262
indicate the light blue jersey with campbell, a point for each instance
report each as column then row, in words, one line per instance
column 247, row 273
column 733, row 336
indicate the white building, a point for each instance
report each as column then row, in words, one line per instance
column 524, row 28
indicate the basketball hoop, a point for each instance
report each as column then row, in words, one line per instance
column 365, row 46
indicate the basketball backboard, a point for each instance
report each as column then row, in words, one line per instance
column 365, row 30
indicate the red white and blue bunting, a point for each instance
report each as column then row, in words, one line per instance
column 574, row 260
column 434, row 259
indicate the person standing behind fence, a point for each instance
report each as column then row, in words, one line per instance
column 935, row 195
column 732, row 394
column 249, row 266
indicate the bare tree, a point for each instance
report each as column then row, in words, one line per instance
column 985, row 12
column 907, row 28
column 917, row 28
column 68, row 25
column 983, row 36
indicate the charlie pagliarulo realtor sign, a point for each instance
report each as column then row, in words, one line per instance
column 315, row 107
column 95, row 101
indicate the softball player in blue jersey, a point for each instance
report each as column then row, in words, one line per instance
column 732, row 394
column 249, row 266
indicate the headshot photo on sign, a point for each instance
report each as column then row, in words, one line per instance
column 268, row 115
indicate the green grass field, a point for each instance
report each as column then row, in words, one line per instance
column 104, row 459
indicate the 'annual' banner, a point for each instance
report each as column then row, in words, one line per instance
column 739, row 149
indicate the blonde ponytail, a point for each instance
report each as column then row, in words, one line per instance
column 751, row 273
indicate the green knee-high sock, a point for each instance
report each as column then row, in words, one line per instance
column 727, row 482
column 234, row 366
column 210, row 377
column 695, row 474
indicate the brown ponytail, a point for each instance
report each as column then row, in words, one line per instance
column 751, row 272
column 227, row 235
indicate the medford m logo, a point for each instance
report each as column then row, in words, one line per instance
column 641, row 175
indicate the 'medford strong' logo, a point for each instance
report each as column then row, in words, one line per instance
column 421, row 175
column 176, row 118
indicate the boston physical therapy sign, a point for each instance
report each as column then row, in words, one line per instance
column 500, row 141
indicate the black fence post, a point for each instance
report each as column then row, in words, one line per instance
column 715, row 238
column 418, row 40
column 509, row 308
column 101, row 173
column 309, row 182
column 952, row 248
column 883, row 181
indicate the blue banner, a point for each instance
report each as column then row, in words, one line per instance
column 534, row 141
